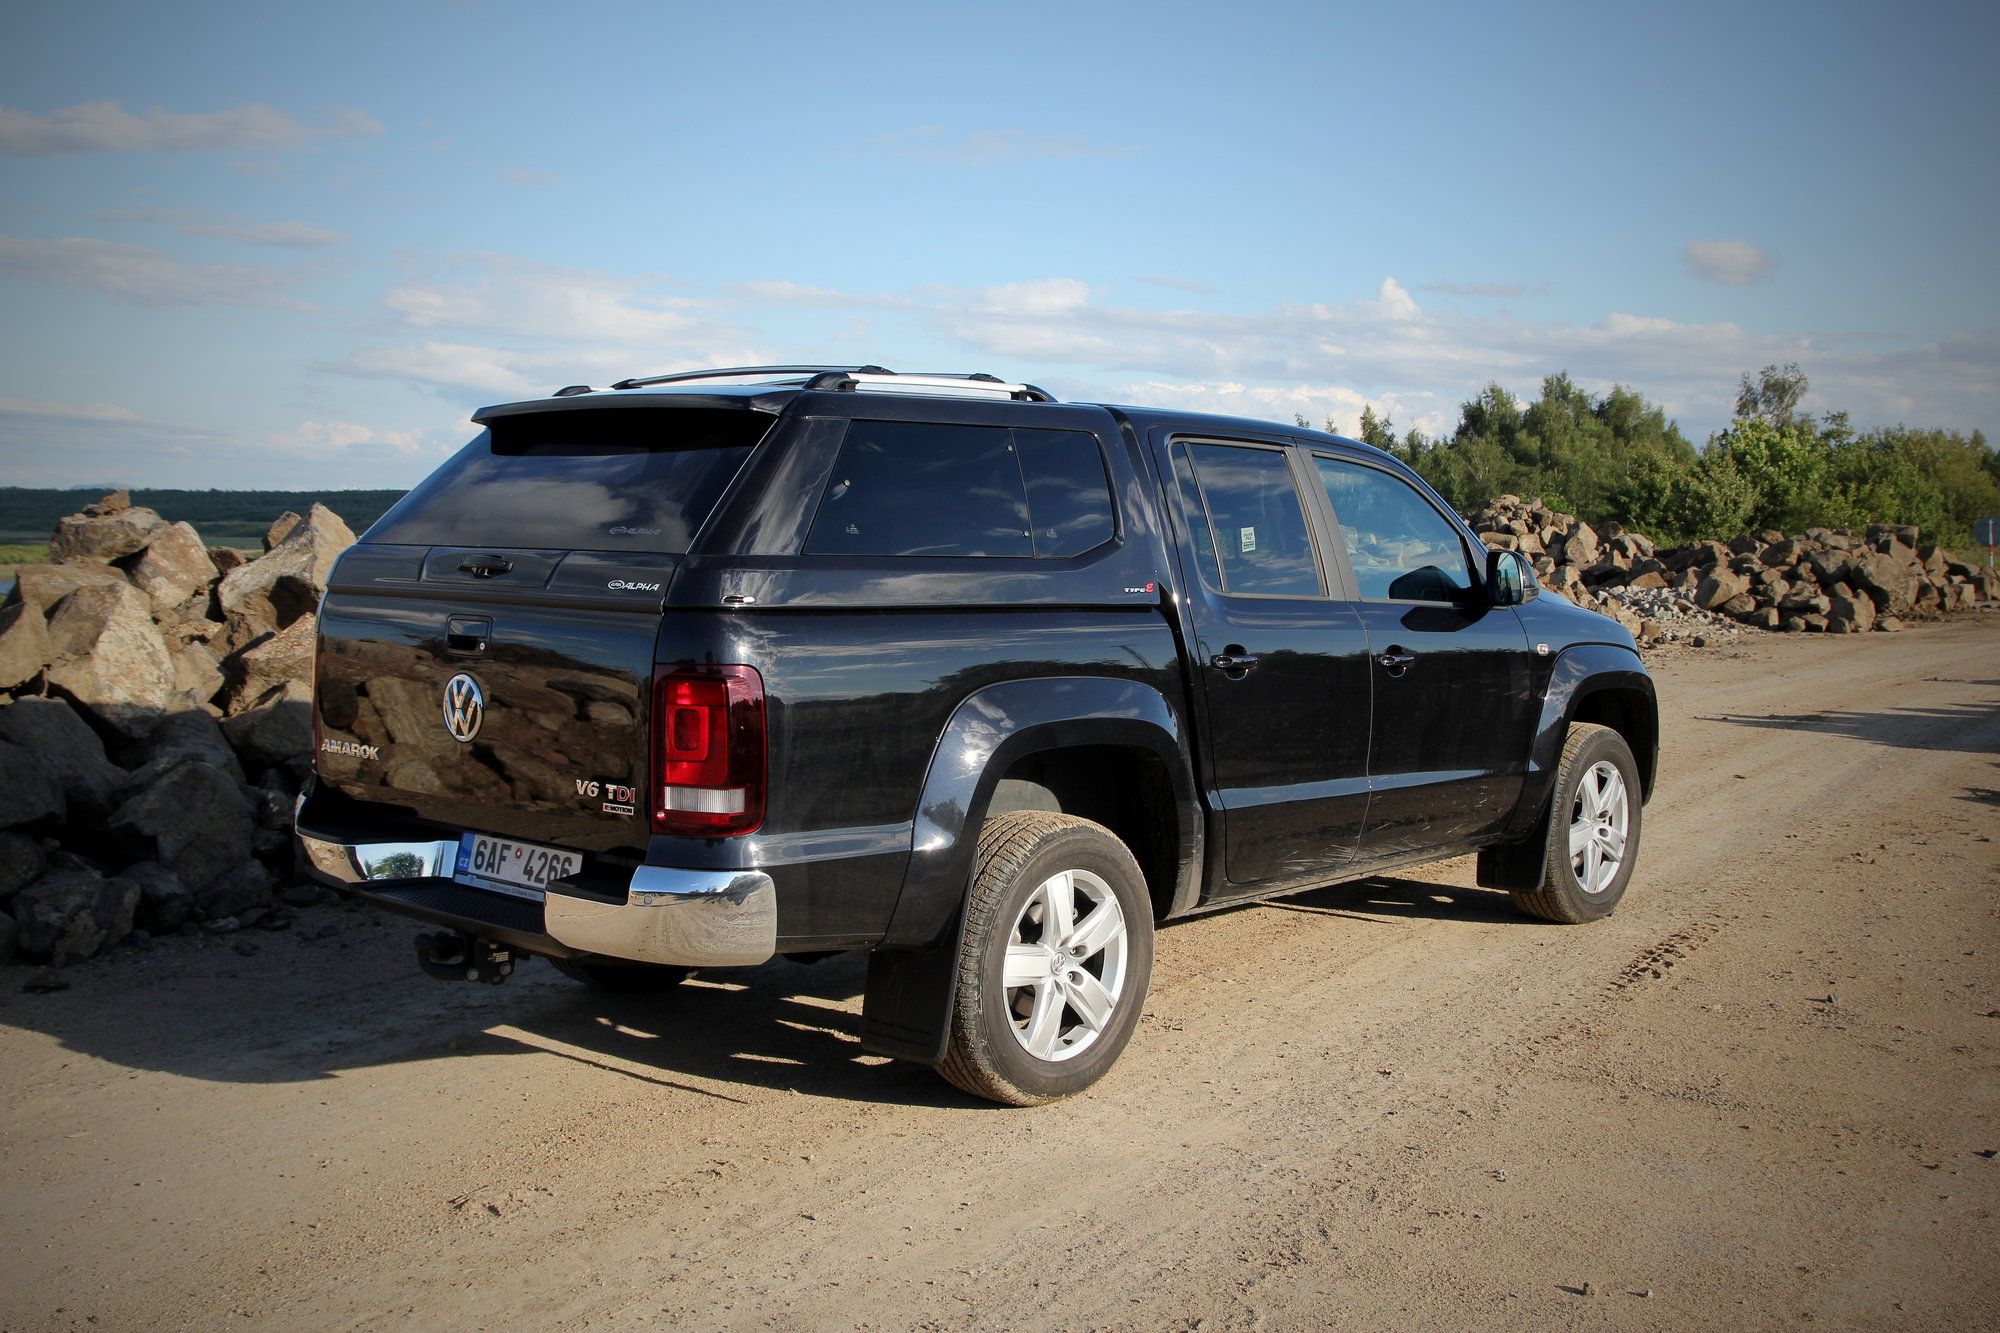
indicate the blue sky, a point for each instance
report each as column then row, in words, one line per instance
column 289, row 245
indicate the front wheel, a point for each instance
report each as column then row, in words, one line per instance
column 1593, row 830
column 1057, row 951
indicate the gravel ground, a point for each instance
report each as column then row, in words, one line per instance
column 1760, row 1096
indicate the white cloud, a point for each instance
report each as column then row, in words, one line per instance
column 284, row 235
column 1179, row 284
column 142, row 275
column 327, row 439
column 1732, row 263
column 1506, row 291
column 522, row 299
column 472, row 369
column 38, row 407
column 106, row 127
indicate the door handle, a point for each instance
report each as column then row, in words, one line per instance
column 1396, row 660
column 1235, row 662
column 485, row 566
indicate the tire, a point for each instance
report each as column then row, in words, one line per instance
column 623, row 978
column 1051, row 1037
column 1593, row 830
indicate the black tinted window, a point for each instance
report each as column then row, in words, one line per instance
column 1257, row 526
column 1401, row 549
column 1069, row 500
column 912, row 489
column 597, row 480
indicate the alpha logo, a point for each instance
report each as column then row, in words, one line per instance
column 356, row 748
column 635, row 532
column 464, row 707
column 624, row 585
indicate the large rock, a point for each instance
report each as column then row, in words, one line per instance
column 109, row 658
column 1891, row 583
column 286, row 583
column 1719, row 586
column 197, row 674
column 1857, row 611
column 173, row 567
column 191, row 735
column 193, row 819
column 281, row 528
column 276, row 728
column 69, row 915
column 42, row 586
column 270, row 663
column 236, row 891
column 68, row 746
column 22, row 862
column 31, row 792
column 103, row 537
column 24, row 645
column 164, row 901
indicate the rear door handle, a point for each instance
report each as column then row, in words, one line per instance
column 485, row 566
column 1396, row 659
column 1227, row 662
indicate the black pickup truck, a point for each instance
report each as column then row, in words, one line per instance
column 702, row 669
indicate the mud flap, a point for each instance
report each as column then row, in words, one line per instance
column 906, row 1009
column 1515, row 865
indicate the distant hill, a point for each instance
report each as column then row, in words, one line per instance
column 224, row 518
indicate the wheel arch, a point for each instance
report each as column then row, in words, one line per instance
column 1048, row 740
column 1598, row 683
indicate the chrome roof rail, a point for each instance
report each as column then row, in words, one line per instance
column 851, row 379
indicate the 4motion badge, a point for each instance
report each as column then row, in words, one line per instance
column 464, row 707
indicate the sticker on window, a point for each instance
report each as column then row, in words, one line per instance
column 1247, row 540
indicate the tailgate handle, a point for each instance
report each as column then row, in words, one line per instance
column 466, row 635
column 485, row 566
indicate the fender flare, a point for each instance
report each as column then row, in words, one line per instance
column 907, row 1007
column 993, row 729
column 1577, row 674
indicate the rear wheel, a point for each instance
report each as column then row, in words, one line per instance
column 623, row 978
column 1057, row 951
column 1594, row 830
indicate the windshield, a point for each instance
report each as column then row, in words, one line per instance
column 611, row 479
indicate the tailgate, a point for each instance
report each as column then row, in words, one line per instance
column 513, row 710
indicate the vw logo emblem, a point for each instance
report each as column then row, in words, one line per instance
column 464, row 707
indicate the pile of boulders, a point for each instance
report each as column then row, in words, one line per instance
column 155, row 726
column 1834, row 581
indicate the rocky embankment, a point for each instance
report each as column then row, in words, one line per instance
column 155, row 725
column 155, row 693
column 1826, row 580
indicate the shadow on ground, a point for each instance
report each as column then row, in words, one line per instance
column 1963, row 728
column 341, row 992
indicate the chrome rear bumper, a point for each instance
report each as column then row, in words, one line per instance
column 689, row 918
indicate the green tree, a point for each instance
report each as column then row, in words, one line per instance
column 1773, row 395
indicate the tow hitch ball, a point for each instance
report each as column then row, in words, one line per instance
column 452, row 955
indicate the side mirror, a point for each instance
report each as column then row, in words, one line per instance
column 1510, row 579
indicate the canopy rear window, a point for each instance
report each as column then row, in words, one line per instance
column 610, row 479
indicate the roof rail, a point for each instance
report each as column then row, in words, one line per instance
column 850, row 379
column 732, row 372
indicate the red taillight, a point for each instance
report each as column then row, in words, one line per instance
column 708, row 751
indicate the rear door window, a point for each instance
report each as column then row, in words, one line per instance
column 1248, row 524
column 610, row 479
column 920, row 489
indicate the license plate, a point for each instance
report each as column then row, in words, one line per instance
column 523, row 869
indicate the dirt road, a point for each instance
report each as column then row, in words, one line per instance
column 1762, row 1095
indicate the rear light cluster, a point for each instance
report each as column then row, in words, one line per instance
column 708, row 751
